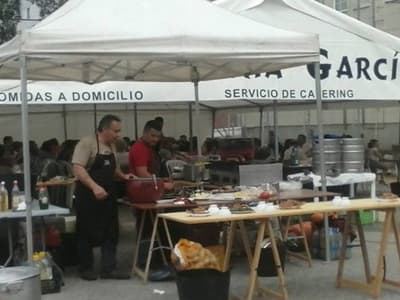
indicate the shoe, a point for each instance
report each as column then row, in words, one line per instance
column 89, row 275
column 115, row 275
column 162, row 274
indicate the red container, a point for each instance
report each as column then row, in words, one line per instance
column 144, row 190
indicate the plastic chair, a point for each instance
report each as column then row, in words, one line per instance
column 174, row 163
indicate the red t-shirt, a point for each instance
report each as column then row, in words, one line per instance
column 141, row 155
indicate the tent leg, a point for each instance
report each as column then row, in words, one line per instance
column 261, row 132
column 135, row 114
column 276, row 140
column 195, row 79
column 197, row 116
column 95, row 117
column 191, row 126
column 26, row 155
column 64, row 114
column 213, row 114
column 322, row 147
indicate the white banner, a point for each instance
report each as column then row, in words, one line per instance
column 357, row 72
column 349, row 71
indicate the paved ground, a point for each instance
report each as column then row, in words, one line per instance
column 317, row 282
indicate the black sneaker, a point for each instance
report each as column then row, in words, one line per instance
column 88, row 275
column 115, row 275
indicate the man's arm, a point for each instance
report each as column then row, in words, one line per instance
column 84, row 177
column 121, row 175
column 141, row 171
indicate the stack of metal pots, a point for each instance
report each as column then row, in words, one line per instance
column 341, row 156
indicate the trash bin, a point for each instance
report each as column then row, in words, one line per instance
column 203, row 284
column 266, row 265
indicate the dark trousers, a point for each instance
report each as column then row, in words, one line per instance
column 108, row 255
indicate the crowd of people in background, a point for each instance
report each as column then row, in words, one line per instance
column 54, row 159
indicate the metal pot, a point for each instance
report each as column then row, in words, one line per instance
column 20, row 283
column 192, row 172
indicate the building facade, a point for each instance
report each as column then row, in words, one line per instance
column 382, row 14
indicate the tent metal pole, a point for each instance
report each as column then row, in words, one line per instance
column 135, row 120
column 195, row 79
column 190, row 126
column 261, row 125
column 276, row 139
column 322, row 147
column 64, row 114
column 26, row 156
column 213, row 114
column 95, row 117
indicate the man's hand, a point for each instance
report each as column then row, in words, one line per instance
column 99, row 192
column 169, row 185
column 129, row 176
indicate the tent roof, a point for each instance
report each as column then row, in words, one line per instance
column 311, row 17
column 152, row 40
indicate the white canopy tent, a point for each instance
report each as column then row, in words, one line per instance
column 152, row 40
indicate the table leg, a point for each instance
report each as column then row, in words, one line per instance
column 154, row 233
column 307, row 248
column 166, row 228
column 397, row 240
column 138, row 241
column 377, row 282
column 374, row 283
column 342, row 254
column 256, row 259
column 277, row 260
column 364, row 249
column 229, row 243
column 157, row 236
column 10, row 244
column 245, row 241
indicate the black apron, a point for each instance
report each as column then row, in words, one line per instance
column 97, row 220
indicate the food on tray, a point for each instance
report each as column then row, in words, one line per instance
column 181, row 200
column 188, row 255
column 389, row 196
column 264, row 195
column 200, row 195
column 289, row 204
column 240, row 208
column 199, row 211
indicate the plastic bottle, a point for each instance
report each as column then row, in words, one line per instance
column 43, row 198
column 15, row 195
column 37, row 261
column 46, row 265
column 3, row 197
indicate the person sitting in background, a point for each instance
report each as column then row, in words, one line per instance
column 375, row 157
column 183, row 144
column 49, row 149
column 6, row 166
column 305, row 147
column 210, row 149
column 293, row 154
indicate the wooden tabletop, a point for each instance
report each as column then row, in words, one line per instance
column 306, row 209
column 299, row 194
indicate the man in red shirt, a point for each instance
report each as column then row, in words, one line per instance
column 143, row 161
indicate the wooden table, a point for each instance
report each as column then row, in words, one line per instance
column 373, row 282
column 151, row 210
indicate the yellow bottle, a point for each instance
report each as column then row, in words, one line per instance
column 3, row 197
